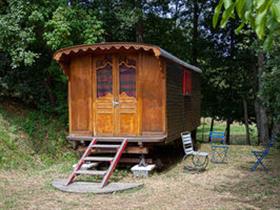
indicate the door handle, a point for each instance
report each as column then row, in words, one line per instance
column 115, row 103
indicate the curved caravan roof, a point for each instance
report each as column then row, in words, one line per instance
column 158, row 52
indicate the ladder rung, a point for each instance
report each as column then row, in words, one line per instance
column 91, row 172
column 105, row 146
column 99, row 158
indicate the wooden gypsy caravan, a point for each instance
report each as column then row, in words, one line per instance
column 131, row 90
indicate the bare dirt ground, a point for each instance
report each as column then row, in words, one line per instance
column 222, row 186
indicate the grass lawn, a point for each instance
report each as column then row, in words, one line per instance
column 223, row 186
column 237, row 131
column 26, row 173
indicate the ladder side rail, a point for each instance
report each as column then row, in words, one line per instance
column 114, row 163
column 80, row 163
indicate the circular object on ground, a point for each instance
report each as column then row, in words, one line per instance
column 92, row 187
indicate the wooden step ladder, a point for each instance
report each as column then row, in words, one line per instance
column 112, row 160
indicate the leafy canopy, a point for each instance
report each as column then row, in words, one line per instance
column 263, row 16
column 27, row 28
column 72, row 25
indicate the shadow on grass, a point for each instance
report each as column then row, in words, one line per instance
column 169, row 155
column 258, row 190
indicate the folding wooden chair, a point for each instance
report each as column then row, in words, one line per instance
column 261, row 154
column 218, row 146
column 199, row 160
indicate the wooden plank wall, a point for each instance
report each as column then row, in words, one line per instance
column 183, row 112
column 192, row 104
column 174, row 101
column 152, row 87
column 80, row 95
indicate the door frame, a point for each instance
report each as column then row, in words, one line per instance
column 116, row 94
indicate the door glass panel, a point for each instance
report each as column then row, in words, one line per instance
column 104, row 76
column 127, row 69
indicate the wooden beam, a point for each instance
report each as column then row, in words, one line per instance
column 135, row 160
column 128, row 150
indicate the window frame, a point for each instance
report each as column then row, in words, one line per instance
column 187, row 83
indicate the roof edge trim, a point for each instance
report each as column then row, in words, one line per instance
column 126, row 45
column 173, row 58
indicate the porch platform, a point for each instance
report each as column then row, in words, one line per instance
column 135, row 139
column 91, row 187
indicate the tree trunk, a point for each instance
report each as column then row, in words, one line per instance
column 211, row 127
column 245, row 108
column 261, row 115
column 139, row 25
column 264, row 131
column 195, row 32
column 140, row 31
column 258, row 121
column 275, row 130
column 228, row 132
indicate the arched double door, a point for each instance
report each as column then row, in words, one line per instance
column 115, row 95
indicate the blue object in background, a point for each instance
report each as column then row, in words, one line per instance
column 218, row 146
column 261, row 154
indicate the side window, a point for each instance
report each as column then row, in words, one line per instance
column 127, row 69
column 187, row 83
column 104, row 77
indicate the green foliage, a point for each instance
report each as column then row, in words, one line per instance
column 237, row 131
column 72, row 25
column 15, row 39
column 37, row 90
column 227, row 60
column 27, row 25
column 30, row 138
column 263, row 16
column 271, row 80
column 30, row 31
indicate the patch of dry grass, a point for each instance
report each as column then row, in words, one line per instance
column 223, row 186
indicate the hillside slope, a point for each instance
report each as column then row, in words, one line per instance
column 30, row 138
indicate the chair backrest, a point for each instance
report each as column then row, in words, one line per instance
column 187, row 142
column 217, row 137
column 270, row 144
column 266, row 151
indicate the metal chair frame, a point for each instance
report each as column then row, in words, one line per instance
column 261, row 154
column 218, row 147
column 199, row 160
